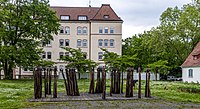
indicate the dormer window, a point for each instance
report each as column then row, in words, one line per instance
column 106, row 17
column 82, row 17
column 195, row 57
column 64, row 17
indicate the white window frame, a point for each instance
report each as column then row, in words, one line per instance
column 82, row 17
column 112, row 41
column 84, row 42
column 61, row 54
column 100, row 30
column 49, row 54
column 67, row 30
column 190, row 73
column 64, row 17
column 67, row 41
column 105, row 42
column 84, row 30
column 79, row 30
column 112, row 30
column 106, row 30
column 61, row 30
column 79, row 43
column 100, row 41
column 61, row 42
column 100, row 56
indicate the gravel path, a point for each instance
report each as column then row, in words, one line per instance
column 119, row 104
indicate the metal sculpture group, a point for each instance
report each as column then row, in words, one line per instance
column 45, row 73
column 71, row 85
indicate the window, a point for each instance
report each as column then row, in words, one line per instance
column 100, row 41
column 100, row 55
column 84, row 30
column 78, row 43
column 61, row 41
column 106, row 42
column 111, row 30
column 190, row 71
column 67, row 30
column 61, row 54
column 106, row 17
column 64, row 17
column 84, row 43
column 106, row 30
column 82, row 17
column 61, row 29
column 44, row 55
column 195, row 57
column 48, row 55
column 79, row 30
column 100, row 30
column 61, row 67
column 25, row 69
column 48, row 43
column 66, row 42
column 66, row 53
column 111, row 42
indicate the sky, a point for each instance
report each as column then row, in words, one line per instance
column 138, row 15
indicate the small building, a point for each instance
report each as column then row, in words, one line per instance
column 191, row 66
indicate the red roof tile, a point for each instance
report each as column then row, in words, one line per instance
column 190, row 61
column 106, row 10
column 92, row 13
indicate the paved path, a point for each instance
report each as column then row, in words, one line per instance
column 83, row 97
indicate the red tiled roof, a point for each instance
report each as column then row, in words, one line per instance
column 92, row 13
column 190, row 61
column 106, row 10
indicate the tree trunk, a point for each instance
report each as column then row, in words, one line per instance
column 8, row 71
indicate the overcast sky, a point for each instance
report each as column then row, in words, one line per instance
column 138, row 15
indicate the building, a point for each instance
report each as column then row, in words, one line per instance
column 88, row 28
column 191, row 66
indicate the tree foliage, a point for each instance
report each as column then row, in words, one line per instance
column 23, row 25
column 167, row 45
column 77, row 60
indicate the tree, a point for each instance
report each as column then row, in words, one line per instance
column 23, row 25
column 170, row 42
column 113, row 60
column 78, row 60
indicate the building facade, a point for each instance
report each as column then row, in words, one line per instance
column 191, row 66
column 88, row 28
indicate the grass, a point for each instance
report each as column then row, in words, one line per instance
column 15, row 93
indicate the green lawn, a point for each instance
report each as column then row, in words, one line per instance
column 15, row 93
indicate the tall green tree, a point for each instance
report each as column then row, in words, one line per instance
column 23, row 24
column 77, row 60
column 171, row 41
